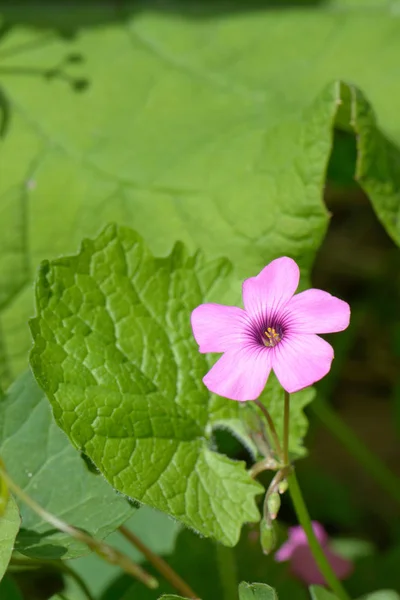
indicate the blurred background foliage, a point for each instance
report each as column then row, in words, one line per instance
column 60, row 60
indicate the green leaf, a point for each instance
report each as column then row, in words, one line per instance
column 256, row 591
column 115, row 354
column 220, row 144
column 9, row 525
column 320, row 593
column 382, row 595
column 41, row 460
column 170, row 597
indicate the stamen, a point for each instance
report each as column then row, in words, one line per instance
column 272, row 337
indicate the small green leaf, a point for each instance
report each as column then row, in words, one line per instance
column 320, row 593
column 256, row 591
column 170, row 597
column 9, row 525
column 116, row 356
column 382, row 595
column 41, row 460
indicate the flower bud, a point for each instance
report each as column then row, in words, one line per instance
column 267, row 536
column 283, row 486
column 273, row 504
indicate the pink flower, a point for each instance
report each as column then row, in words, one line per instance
column 302, row 564
column 277, row 330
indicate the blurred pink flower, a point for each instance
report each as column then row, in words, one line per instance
column 302, row 564
column 276, row 330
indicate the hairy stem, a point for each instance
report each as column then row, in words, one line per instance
column 160, row 564
column 286, row 419
column 316, row 550
column 108, row 553
column 271, row 426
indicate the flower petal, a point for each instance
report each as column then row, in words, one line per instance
column 240, row 374
column 303, row 565
column 272, row 287
column 316, row 311
column 217, row 328
column 300, row 360
column 297, row 537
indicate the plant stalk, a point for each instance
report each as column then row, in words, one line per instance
column 316, row 550
column 159, row 564
column 271, row 426
column 108, row 553
column 286, row 420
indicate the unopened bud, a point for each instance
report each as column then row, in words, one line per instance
column 273, row 504
column 267, row 536
column 283, row 486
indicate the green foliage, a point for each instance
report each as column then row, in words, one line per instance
column 40, row 459
column 215, row 131
column 157, row 531
column 256, row 591
column 170, row 597
column 211, row 575
column 9, row 590
column 320, row 593
column 116, row 357
column 221, row 141
column 9, row 525
column 382, row 595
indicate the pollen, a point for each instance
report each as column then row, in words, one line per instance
column 271, row 337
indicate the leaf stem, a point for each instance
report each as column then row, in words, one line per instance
column 108, row 553
column 286, row 419
column 54, row 565
column 271, row 425
column 160, row 564
column 316, row 550
column 377, row 469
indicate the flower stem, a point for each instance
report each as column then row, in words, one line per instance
column 286, row 418
column 159, row 563
column 53, row 565
column 316, row 550
column 376, row 468
column 271, row 425
column 108, row 553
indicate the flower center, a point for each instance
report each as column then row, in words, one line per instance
column 272, row 337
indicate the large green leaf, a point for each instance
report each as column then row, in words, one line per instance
column 198, row 129
column 115, row 354
column 256, row 591
column 9, row 525
column 41, row 460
